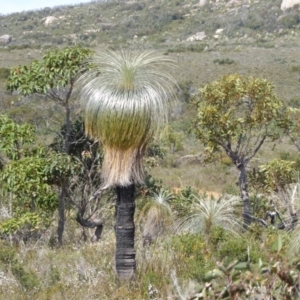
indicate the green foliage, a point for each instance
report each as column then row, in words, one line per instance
column 217, row 235
column 57, row 69
column 154, row 154
column 27, row 279
column 239, row 249
column 14, row 137
column 289, row 20
column 289, row 122
column 30, row 180
column 32, row 222
column 276, row 175
column 151, row 186
column 172, row 139
column 182, row 202
column 236, row 114
column 7, row 254
column 190, row 250
column 235, row 279
column 189, row 48
column 295, row 68
column 184, row 91
column 4, row 73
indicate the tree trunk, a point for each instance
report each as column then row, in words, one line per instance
column 68, row 128
column 61, row 213
column 125, row 252
column 243, row 184
column 65, row 183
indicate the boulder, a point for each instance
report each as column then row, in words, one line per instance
column 49, row 20
column 199, row 36
column 288, row 4
column 202, row 2
column 232, row 3
column 5, row 39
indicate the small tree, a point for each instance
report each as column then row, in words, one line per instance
column 237, row 115
column 54, row 77
column 27, row 176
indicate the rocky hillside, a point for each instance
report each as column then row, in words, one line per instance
column 150, row 23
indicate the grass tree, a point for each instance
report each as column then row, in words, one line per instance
column 157, row 216
column 237, row 115
column 125, row 97
column 211, row 213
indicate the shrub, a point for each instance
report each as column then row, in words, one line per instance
column 4, row 73
column 234, row 248
column 223, row 61
column 190, row 251
column 27, row 279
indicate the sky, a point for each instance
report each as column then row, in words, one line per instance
column 11, row 6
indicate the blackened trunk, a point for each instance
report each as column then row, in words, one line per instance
column 125, row 252
column 61, row 213
column 247, row 214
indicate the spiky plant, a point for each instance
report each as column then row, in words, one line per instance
column 210, row 213
column 158, row 216
column 125, row 97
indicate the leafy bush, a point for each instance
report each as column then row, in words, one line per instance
column 4, row 73
column 189, row 48
column 289, row 21
column 234, row 248
column 295, row 68
column 223, row 61
column 181, row 203
column 190, row 250
column 27, row 279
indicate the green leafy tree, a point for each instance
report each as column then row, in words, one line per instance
column 237, row 115
column 28, row 177
column 125, row 99
column 54, row 77
column 31, row 180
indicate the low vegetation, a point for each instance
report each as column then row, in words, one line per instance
column 235, row 118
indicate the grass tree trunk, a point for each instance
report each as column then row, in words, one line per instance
column 243, row 184
column 125, row 252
